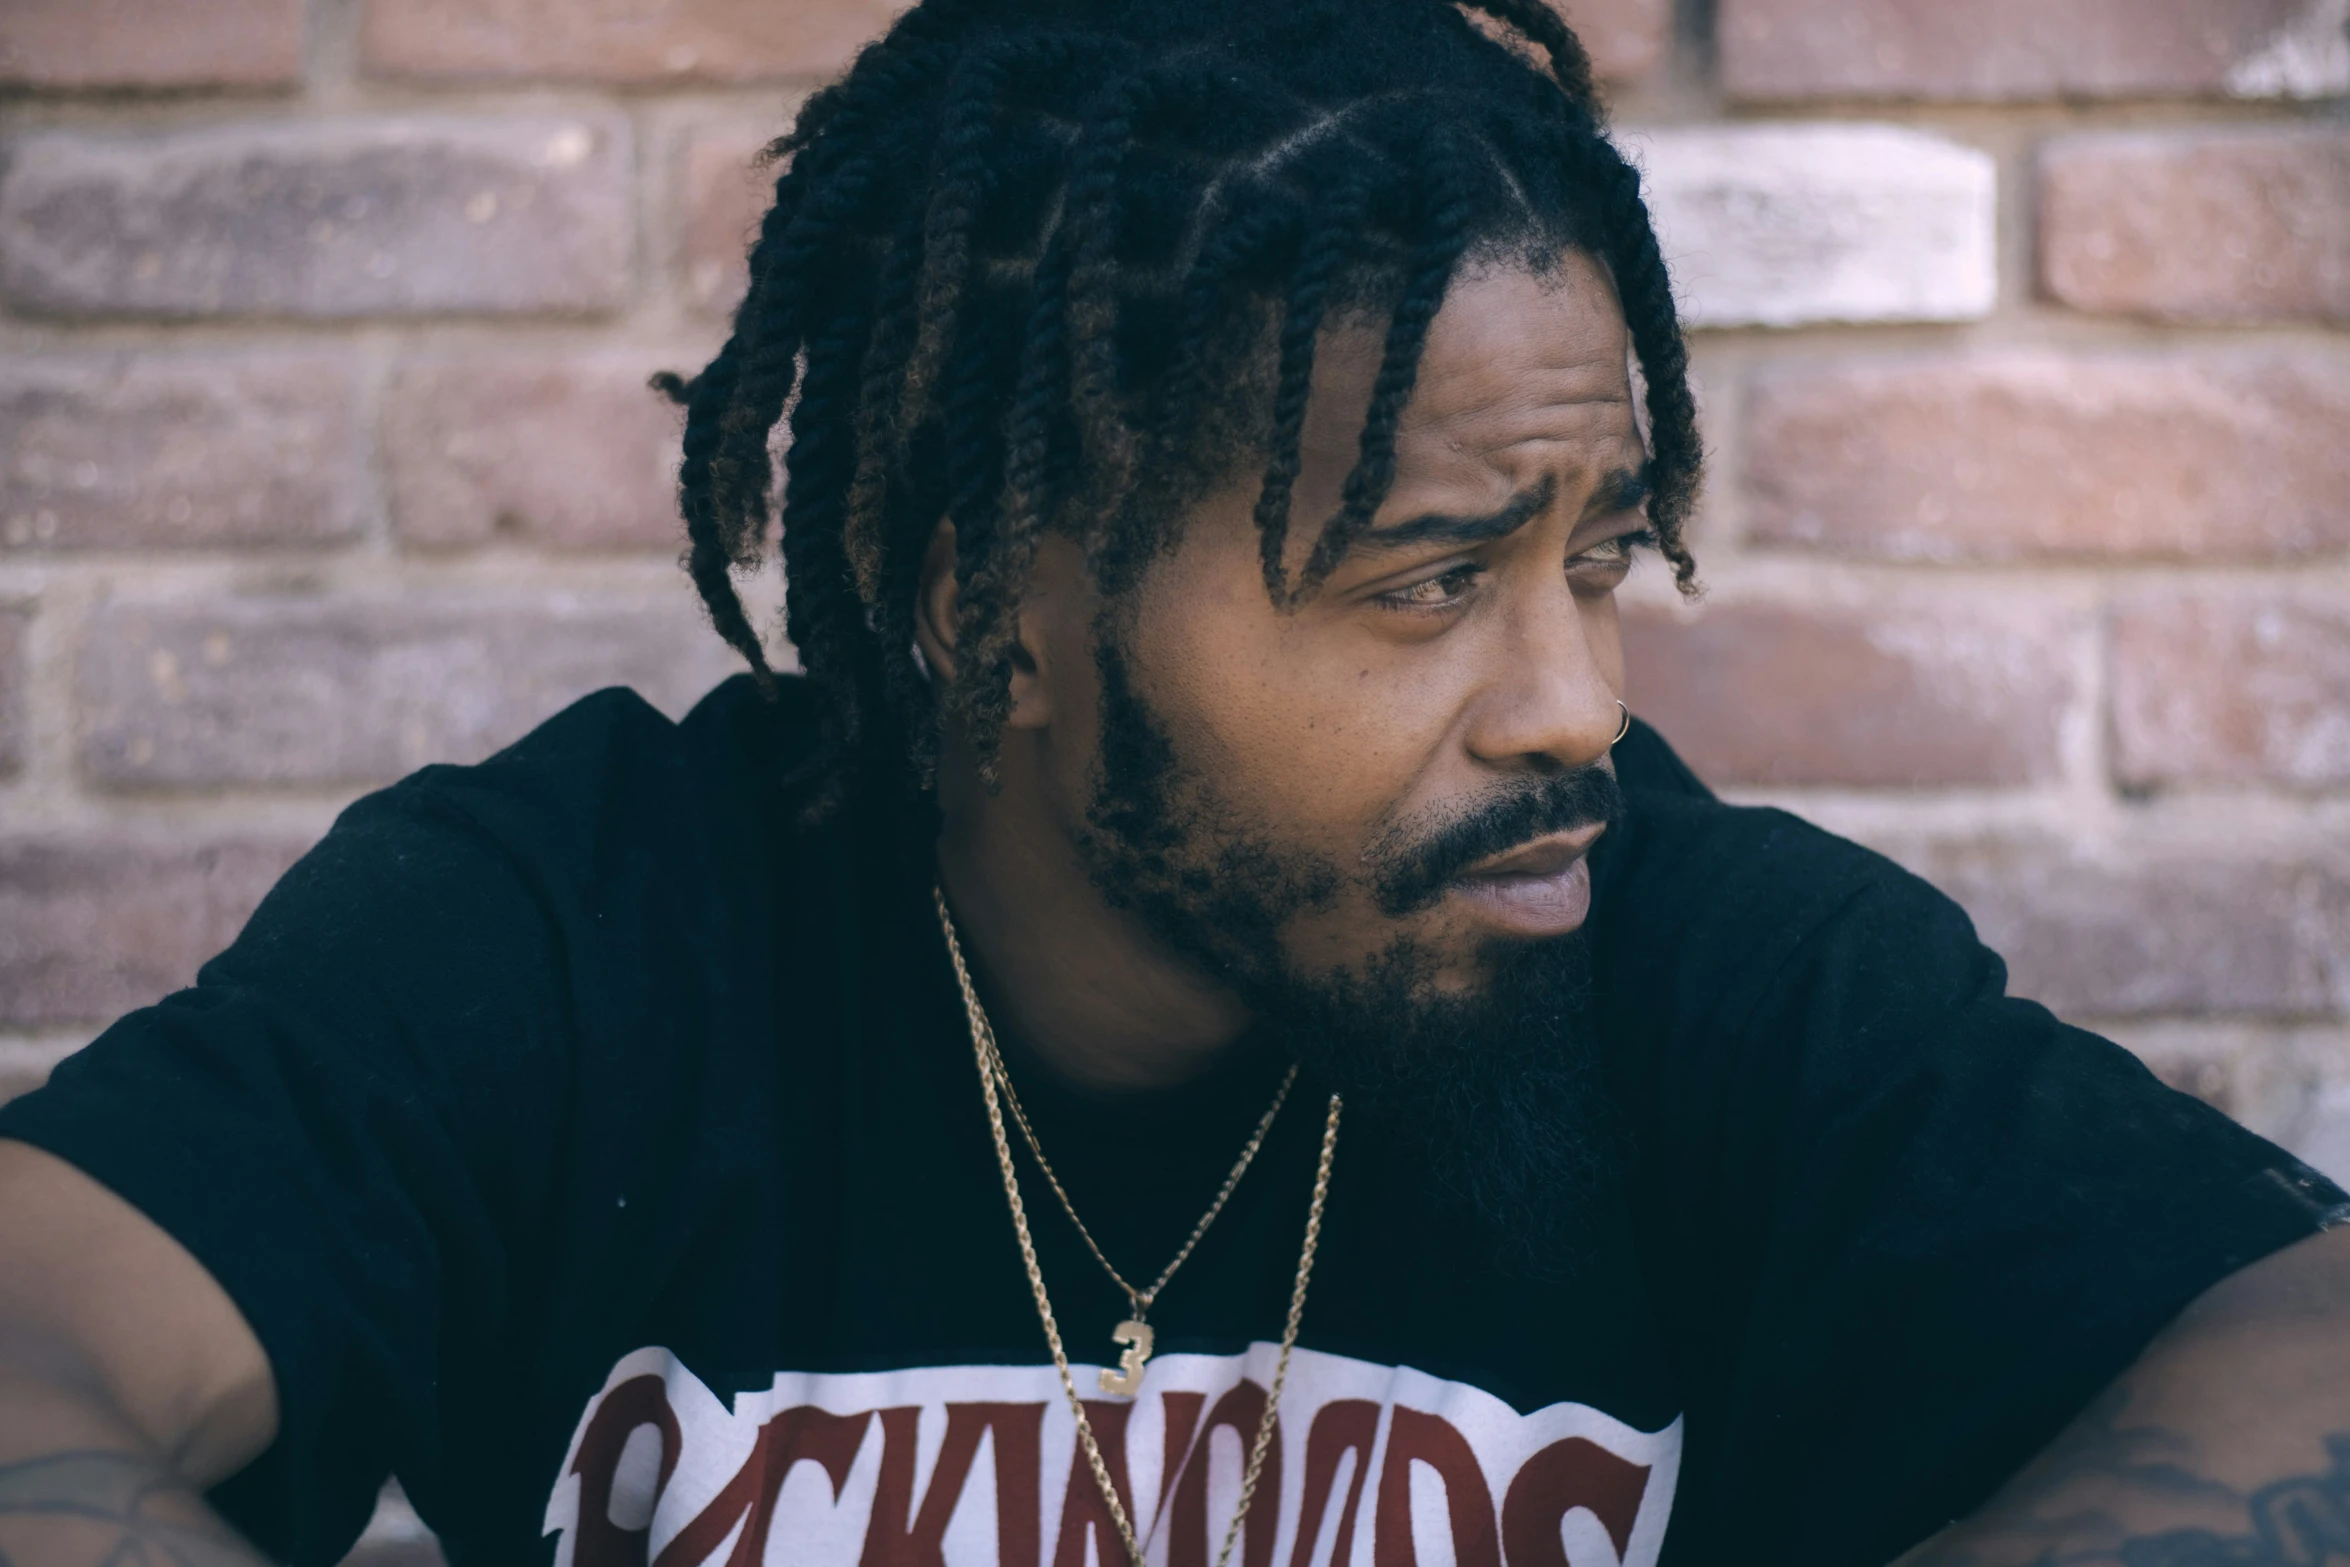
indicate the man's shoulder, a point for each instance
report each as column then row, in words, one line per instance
column 612, row 775
column 610, row 819
column 1711, row 900
column 615, row 743
column 1682, row 843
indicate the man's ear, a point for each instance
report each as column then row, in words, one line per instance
column 936, row 608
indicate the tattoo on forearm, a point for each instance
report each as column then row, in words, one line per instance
column 109, row 1510
column 2301, row 1521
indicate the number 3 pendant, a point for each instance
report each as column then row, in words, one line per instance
column 1126, row 1381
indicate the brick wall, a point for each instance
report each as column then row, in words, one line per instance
column 2024, row 343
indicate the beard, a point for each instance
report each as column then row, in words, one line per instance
column 1497, row 1090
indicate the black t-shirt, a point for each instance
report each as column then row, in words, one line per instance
column 601, row 1150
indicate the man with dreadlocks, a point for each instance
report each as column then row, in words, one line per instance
column 1200, row 1023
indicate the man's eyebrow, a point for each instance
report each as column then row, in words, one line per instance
column 1620, row 491
column 1438, row 527
column 1626, row 489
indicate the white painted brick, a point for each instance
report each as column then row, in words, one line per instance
column 2306, row 58
column 1784, row 225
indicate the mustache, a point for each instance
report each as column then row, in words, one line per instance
column 1412, row 869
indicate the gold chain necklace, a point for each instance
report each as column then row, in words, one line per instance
column 991, row 1077
column 1135, row 1332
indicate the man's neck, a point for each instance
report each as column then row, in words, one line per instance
column 1083, row 985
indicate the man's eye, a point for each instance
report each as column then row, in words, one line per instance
column 1434, row 592
column 1606, row 563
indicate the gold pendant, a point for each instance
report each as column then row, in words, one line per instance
column 1126, row 1381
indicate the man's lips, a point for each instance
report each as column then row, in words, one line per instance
column 1538, row 889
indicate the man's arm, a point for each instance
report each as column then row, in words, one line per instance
column 2226, row 1445
column 128, row 1382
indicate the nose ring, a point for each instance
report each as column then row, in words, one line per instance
column 1625, row 728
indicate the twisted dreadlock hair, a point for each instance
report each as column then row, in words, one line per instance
column 1062, row 263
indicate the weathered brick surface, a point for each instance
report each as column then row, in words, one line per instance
column 177, row 451
column 15, row 669
column 1942, row 692
column 1627, row 38
column 572, row 453
column 1782, row 225
column 665, row 40
column 744, row 40
column 2024, row 49
column 722, row 196
column 92, row 925
column 2014, row 455
column 61, row 44
column 2146, row 928
column 354, row 691
column 2211, row 686
column 334, row 218
column 2204, row 225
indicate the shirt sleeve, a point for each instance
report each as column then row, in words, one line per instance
column 348, row 1121
column 1902, row 1227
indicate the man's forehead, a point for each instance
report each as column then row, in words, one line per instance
column 1518, row 351
column 1517, row 364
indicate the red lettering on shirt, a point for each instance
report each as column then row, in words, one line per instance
column 947, row 1466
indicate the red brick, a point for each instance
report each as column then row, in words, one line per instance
column 724, row 194
column 744, row 40
column 1627, row 38
column 2149, row 928
column 331, row 218
column 15, row 670
column 2220, row 687
column 2009, row 456
column 93, row 925
column 2020, row 49
column 1934, row 691
column 154, row 452
column 338, row 691
column 64, row 44
column 572, row 453
column 2207, row 225
column 665, row 40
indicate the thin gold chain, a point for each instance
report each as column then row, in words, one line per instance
column 989, row 1061
column 1140, row 1300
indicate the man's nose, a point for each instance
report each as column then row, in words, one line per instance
column 1548, row 706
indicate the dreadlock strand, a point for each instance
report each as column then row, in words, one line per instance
column 1644, row 288
column 1570, row 63
column 1326, row 249
column 1207, row 290
column 988, row 616
column 709, row 557
column 1091, row 214
column 881, row 442
column 841, row 185
column 1399, row 368
column 821, row 603
column 966, row 139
